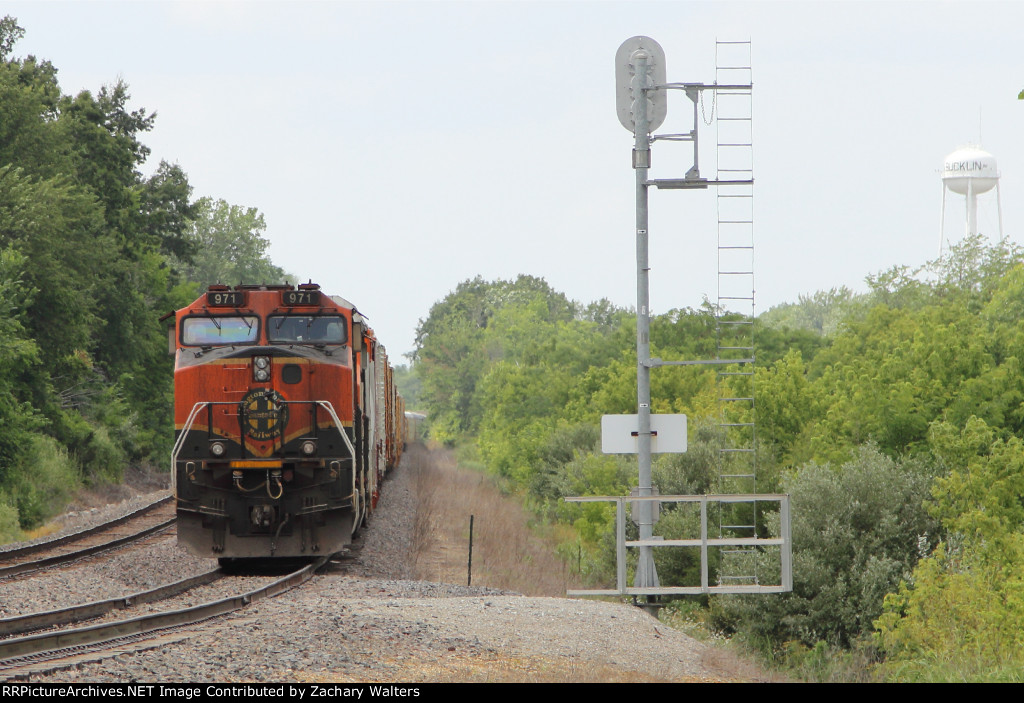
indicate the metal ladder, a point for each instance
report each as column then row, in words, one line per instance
column 737, row 455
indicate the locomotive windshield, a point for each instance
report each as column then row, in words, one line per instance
column 210, row 331
column 307, row 329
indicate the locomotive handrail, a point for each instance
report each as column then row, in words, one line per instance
column 187, row 427
column 326, row 405
column 181, row 441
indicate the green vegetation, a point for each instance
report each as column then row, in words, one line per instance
column 92, row 253
column 894, row 419
column 234, row 249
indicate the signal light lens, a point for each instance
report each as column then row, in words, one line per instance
column 217, row 448
column 308, row 447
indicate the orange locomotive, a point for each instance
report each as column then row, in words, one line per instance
column 286, row 420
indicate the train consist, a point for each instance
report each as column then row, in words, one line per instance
column 286, row 421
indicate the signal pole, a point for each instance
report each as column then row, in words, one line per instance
column 646, row 574
column 639, row 63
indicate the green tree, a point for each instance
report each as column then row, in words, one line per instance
column 229, row 246
column 961, row 614
column 60, row 230
column 166, row 213
column 455, row 348
column 18, row 353
column 84, row 237
column 787, row 409
column 821, row 312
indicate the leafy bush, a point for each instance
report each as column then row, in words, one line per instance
column 42, row 481
column 960, row 616
column 856, row 532
column 10, row 530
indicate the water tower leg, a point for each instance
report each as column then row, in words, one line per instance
column 942, row 221
column 999, row 207
column 972, row 209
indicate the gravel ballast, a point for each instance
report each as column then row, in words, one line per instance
column 366, row 620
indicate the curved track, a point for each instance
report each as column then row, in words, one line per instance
column 142, row 523
column 31, row 622
column 49, row 651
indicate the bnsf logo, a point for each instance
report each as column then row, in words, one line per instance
column 264, row 414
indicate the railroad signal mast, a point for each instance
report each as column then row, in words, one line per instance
column 642, row 105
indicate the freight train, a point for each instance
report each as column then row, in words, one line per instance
column 286, row 421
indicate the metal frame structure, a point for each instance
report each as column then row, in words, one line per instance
column 704, row 543
column 642, row 105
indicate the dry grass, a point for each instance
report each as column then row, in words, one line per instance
column 493, row 669
column 507, row 554
column 41, row 531
column 736, row 668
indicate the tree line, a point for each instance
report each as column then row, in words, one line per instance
column 893, row 418
column 92, row 253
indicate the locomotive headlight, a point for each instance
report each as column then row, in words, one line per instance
column 217, row 448
column 261, row 368
column 308, row 447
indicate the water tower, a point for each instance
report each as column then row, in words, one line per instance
column 969, row 171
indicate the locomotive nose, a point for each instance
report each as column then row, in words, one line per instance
column 286, row 414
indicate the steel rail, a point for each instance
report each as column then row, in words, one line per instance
column 58, row 541
column 68, row 557
column 54, row 643
column 18, row 624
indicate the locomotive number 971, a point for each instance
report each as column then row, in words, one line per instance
column 286, row 421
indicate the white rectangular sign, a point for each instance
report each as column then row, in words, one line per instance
column 619, row 434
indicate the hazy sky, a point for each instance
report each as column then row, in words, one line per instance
column 398, row 148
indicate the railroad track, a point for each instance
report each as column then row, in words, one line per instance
column 20, row 624
column 142, row 523
column 24, row 656
column 49, row 640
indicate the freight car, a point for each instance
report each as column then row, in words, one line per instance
column 414, row 424
column 286, row 421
